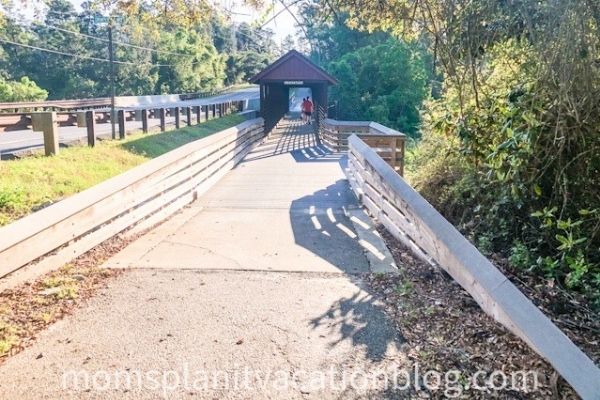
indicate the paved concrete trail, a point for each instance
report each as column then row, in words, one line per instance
column 254, row 291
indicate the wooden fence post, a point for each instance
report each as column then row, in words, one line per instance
column 177, row 112
column 198, row 113
column 46, row 122
column 188, row 114
column 90, row 123
column 206, row 112
column 402, row 143
column 121, row 119
column 145, row 121
column 393, row 161
column 163, row 114
column 214, row 110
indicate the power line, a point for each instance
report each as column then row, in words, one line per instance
column 115, row 42
column 85, row 57
column 106, row 40
column 56, row 51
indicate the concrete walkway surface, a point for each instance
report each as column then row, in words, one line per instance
column 254, row 291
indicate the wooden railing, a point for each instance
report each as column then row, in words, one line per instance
column 49, row 122
column 143, row 195
column 388, row 143
column 412, row 220
column 97, row 102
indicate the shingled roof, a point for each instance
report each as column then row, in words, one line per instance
column 294, row 66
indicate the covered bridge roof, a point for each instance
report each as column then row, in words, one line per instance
column 293, row 66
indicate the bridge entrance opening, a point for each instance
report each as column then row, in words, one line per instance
column 297, row 94
column 286, row 78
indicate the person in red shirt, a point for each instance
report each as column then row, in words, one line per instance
column 303, row 109
column 308, row 109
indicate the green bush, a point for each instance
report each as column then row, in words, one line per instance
column 22, row 90
column 498, row 172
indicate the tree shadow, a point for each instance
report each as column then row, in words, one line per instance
column 322, row 224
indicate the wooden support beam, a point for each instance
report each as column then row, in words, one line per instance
column 145, row 121
column 177, row 112
column 163, row 114
column 46, row 122
column 90, row 123
column 206, row 112
column 198, row 110
column 188, row 114
column 214, row 110
column 121, row 119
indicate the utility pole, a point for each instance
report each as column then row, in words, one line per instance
column 233, row 38
column 113, row 114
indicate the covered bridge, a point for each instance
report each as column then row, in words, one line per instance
column 291, row 70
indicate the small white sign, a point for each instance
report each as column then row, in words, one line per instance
column 291, row 83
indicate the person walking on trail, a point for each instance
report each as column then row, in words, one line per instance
column 308, row 109
column 303, row 109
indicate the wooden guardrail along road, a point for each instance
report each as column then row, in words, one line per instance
column 143, row 195
column 411, row 219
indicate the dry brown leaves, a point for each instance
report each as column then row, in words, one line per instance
column 31, row 307
column 446, row 330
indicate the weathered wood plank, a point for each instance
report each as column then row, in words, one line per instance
column 496, row 295
column 48, row 229
column 90, row 123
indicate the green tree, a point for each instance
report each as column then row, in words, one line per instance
column 386, row 83
column 21, row 90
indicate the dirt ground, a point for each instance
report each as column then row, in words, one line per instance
column 449, row 331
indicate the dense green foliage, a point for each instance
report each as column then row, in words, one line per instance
column 385, row 83
column 380, row 78
column 194, row 55
column 511, row 148
column 22, row 90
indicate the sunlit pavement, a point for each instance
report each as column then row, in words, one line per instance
column 260, row 276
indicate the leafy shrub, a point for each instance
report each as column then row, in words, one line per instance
column 521, row 256
column 22, row 90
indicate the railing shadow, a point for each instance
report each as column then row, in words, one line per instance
column 320, row 225
column 297, row 139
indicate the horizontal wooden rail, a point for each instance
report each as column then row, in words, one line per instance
column 42, row 121
column 411, row 219
column 78, row 104
column 386, row 142
column 159, row 187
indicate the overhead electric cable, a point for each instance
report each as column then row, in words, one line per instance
column 115, row 42
column 85, row 57
column 46, row 25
